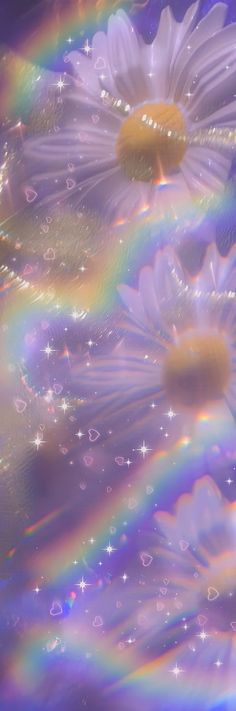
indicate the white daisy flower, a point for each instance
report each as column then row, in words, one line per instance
column 178, row 346
column 131, row 118
column 185, row 622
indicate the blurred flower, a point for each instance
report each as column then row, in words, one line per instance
column 178, row 349
column 127, row 139
column 186, row 616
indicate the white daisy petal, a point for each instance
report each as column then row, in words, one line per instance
column 214, row 90
column 83, row 72
column 226, row 116
column 102, row 65
column 160, row 56
column 133, row 302
column 124, row 49
column 195, row 50
column 148, row 296
column 205, row 170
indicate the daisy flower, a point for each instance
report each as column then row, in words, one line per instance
column 177, row 352
column 134, row 130
column 185, row 622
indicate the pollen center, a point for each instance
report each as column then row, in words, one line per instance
column 197, row 370
column 152, row 142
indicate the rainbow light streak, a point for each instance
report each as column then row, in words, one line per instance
column 162, row 471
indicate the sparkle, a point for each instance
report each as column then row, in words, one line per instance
column 60, row 84
column 38, row 441
column 79, row 434
column 176, row 671
column 218, row 663
column 37, row 589
column 48, row 350
column 64, row 406
column 90, row 343
column 229, row 481
column 87, row 48
column 82, row 584
column 203, row 635
column 143, row 449
column 128, row 462
column 124, row 577
column 170, row 414
column 109, row 549
column 153, row 405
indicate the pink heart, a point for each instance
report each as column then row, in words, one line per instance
column 49, row 254
column 120, row 461
column 212, row 594
column 20, row 405
column 202, row 620
column 28, row 269
column 233, row 625
column 149, row 490
column 56, row 609
column 57, row 387
column 98, row 621
column 30, row 194
column 183, row 545
column 93, row 435
column 95, row 119
column 146, row 559
column 70, row 184
column 88, row 460
column 45, row 228
column 100, row 63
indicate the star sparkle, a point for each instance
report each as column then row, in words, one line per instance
column 143, row 449
column 60, row 84
column 64, row 406
column 176, row 671
column 170, row 414
column 109, row 549
column 38, row 441
column 82, row 585
column 218, row 663
column 87, row 47
column 203, row 635
column 79, row 434
column 48, row 350
column 124, row 577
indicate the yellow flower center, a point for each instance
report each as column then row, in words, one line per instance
column 197, row 370
column 152, row 142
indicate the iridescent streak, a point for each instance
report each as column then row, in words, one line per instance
column 215, row 137
column 159, row 473
column 43, row 522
